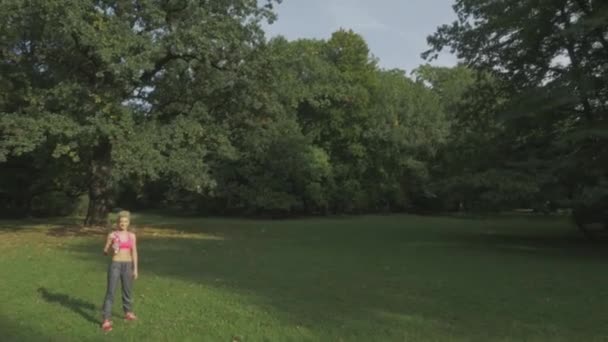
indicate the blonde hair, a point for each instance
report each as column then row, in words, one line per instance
column 124, row 213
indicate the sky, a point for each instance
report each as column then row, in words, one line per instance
column 395, row 30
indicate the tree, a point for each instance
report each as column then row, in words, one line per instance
column 334, row 81
column 549, row 56
column 470, row 170
column 122, row 87
column 408, row 124
column 374, row 130
column 28, row 181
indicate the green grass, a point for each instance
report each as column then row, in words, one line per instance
column 373, row 278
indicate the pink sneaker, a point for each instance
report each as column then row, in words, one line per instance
column 106, row 325
column 129, row 316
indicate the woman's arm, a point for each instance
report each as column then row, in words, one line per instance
column 108, row 243
column 134, row 256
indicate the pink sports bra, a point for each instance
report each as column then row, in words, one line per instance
column 123, row 244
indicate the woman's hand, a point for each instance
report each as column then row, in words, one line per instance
column 108, row 243
column 135, row 274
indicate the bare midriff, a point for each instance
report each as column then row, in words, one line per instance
column 123, row 255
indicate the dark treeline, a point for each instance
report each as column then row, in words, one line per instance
column 185, row 104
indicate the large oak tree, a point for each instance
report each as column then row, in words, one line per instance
column 123, row 87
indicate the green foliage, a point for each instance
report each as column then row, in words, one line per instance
column 309, row 126
column 407, row 127
column 319, row 128
column 185, row 104
column 549, row 57
column 121, row 87
column 469, row 170
column 348, row 109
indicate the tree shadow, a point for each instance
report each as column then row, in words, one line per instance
column 77, row 231
column 12, row 330
column 329, row 274
column 79, row 306
column 559, row 244
column 49, row 225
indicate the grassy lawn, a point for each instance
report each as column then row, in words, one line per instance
column 373, row 278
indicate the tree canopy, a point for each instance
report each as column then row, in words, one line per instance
column 186, row 104
column 117, row 88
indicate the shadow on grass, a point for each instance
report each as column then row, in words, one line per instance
column 79, row 306
column 77, row 231
column 18, row 331
column 445, row 274
column 561, row 244
column 329, row 273
column 48, row 225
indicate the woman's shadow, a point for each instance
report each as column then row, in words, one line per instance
column 77, row 305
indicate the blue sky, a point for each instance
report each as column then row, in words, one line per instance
column 395, row 30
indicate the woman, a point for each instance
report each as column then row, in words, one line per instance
column 123, row 267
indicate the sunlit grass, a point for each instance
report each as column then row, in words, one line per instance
column 393, row 278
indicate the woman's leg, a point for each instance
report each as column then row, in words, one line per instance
column 126, row 279
column 113, row 276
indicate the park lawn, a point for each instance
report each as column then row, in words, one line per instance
column 371, row 278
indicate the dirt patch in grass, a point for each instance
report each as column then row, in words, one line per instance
column 77, row 231
column 141, row 231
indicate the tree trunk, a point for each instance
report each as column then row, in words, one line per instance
column 100, row 186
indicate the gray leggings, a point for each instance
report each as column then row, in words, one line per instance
column 124, row 272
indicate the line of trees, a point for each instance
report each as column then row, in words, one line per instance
column 186, row 104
